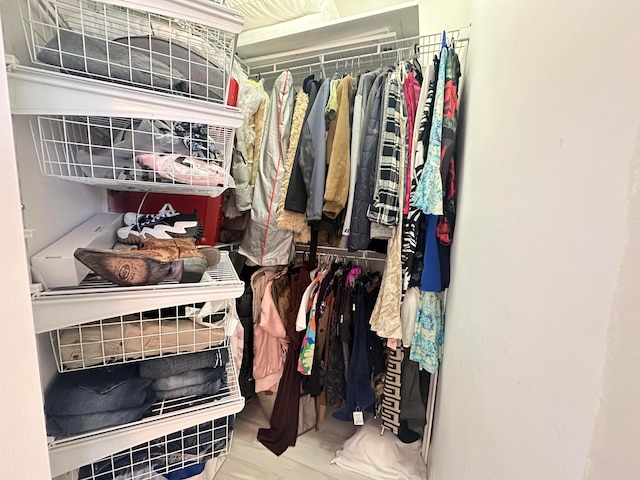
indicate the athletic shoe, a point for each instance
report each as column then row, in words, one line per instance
column 131, row 218
column 163, row 225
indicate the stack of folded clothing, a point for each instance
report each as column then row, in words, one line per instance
column 88, row 400
column 195, row 374
column 190, row 448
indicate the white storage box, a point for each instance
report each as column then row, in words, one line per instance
column 56, row 263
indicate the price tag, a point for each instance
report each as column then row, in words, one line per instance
column 358, row 418
column 392, row 343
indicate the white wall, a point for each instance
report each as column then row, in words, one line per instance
column 438, row 15
column 23, row 452
column 539, row 379
column 349, row 7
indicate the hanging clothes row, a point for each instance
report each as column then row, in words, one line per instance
column 366, row 162
column 312, row 338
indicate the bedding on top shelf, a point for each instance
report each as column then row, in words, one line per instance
column 264, row 13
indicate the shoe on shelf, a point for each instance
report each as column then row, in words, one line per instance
column 166, row 224
column 157, row 260
column 132, row 218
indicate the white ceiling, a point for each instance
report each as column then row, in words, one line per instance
column 395, row 21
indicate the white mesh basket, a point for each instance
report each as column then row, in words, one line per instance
column 143, row 335
column 184, row 47
column 175, row 451
column 136, row 154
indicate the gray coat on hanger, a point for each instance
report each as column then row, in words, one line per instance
column 264, row 243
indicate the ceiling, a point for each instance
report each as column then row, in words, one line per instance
column 376, row 26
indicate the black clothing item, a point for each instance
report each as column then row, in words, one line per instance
column 336, row 367
column 296, row 199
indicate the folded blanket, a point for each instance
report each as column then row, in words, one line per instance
column 113, row 340
column 83, row 53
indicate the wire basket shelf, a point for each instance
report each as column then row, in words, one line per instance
column 140, row 336
column 175, row 451
column 108, row 40
column 164, row 409
column 136, row 154
column 95, row 299
column 166, row 415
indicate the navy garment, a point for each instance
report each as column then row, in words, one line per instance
column 360, row 234
column 359, row 391
column 431, row 275
column 185, row 473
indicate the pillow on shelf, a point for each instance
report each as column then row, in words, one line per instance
column 262, row 13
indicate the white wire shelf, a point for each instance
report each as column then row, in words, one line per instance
column 358, row 57
column 91, row 301
column 105, row 135
column 185, row 47
column 165, row 417
column 131, row 338
column 34, row 91
column 166, row 454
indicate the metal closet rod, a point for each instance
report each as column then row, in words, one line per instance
column 422, row 42
column 343, row 253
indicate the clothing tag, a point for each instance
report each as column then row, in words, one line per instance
column 392, row 343
column 358, row 418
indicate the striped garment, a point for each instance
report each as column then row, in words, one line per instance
column 386, row 207
column 391, row 399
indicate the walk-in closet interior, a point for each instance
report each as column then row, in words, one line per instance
column 236, row 230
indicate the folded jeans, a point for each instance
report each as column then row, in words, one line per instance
column 97, row 391
column 67, row 425
column 189, row 378
column 210, row 388
column 164, row 367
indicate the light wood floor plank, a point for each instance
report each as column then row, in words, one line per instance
column 310, row 459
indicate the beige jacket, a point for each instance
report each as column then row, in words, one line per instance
column 336, row 190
